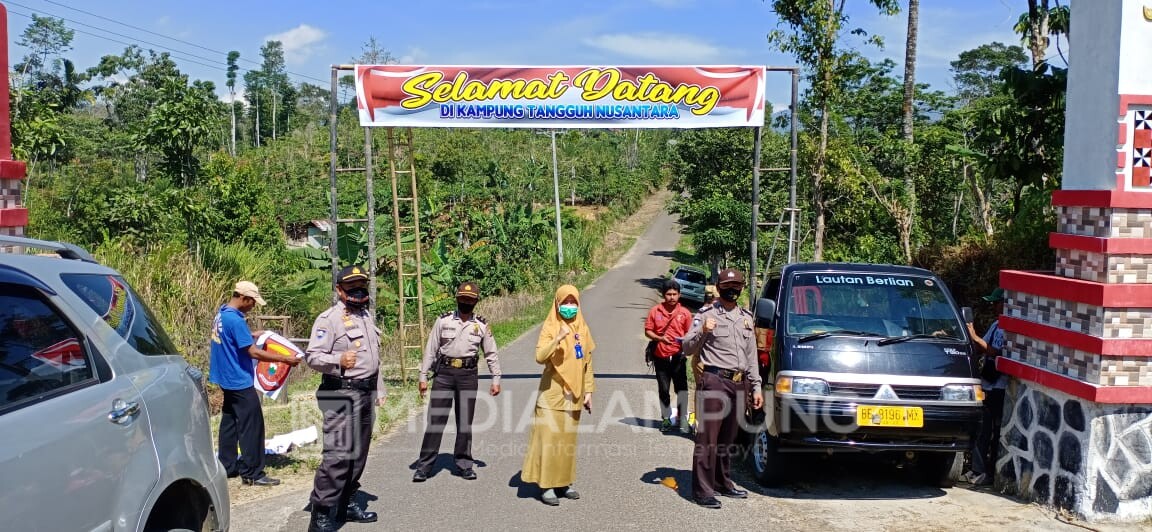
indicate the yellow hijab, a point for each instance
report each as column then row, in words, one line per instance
column 570, row 369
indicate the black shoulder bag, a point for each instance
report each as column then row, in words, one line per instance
column 650, row 350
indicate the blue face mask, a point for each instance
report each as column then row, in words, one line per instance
column 568, row 311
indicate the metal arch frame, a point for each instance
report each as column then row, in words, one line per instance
column 791, row 210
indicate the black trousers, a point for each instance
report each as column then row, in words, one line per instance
column 242, row 424
column 721, row 405
column 348, row 418
column 452, row 387
column 988, row 440
column 672, row 371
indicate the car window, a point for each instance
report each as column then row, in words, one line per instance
column 878, row 303
column 690, row 276
column 40, row 353
column 124, row 311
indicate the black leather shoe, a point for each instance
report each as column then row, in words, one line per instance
column 734, row 493
column 322, row 520
column 419, row 476
column 467, row 474
column 710, row 502
column 353, row 513
column 265, row 481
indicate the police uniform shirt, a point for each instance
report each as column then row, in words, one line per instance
column 731, row 345
column 338, row 330
column 453, row 337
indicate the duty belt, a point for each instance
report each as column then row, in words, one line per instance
column 459, row 363
column 732, row 375
column 332, row 382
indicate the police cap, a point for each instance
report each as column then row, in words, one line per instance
column 468, row 289
column 729, row 277
column 351, row 274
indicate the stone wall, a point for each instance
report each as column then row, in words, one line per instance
column 1092, row 459
column 1084, row 318
column 1104, row 222
column 1101, row 268
column 1102, row 370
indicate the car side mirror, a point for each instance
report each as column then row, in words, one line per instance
column 765, row 310
column 966, row 313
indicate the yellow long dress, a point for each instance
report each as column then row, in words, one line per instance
column 551, row 458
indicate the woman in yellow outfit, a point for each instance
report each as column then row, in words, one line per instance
column 565, row 349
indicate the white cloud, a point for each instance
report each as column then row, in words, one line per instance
column 299, row 42
column 415, row 55
column 227, row 98
column 657, row 46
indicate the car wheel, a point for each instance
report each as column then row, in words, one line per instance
column 942, row 469
column 764, row 459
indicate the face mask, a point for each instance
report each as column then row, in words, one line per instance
column 465, row 308
column 568, row 311
column 356, row 298
column 729, row 294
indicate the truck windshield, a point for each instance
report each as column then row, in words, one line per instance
column 874, row 304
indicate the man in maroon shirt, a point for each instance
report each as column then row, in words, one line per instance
column 666, row 324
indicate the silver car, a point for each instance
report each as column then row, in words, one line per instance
column 105, row 426
column 693, row 282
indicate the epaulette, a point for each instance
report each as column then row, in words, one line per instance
column 706, row 308
column 327, row 313
column 482, row 319
column 746, row 312
column 446, row 314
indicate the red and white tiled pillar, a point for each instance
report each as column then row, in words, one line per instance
column 1077, row 428
column 13, row 215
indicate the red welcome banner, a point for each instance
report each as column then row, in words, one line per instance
column 560, row 97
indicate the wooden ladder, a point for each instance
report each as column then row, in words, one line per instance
column 410, row 278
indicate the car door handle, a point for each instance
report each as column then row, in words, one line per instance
column 122, row 410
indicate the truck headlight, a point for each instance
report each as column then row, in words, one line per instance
column 960, row 392
column 801, row 386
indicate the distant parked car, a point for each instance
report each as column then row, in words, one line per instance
column 105, row 425
column 692, row 282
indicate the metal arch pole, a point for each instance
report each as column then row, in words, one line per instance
column 556, row 198
column 333, row 116
column 752, row 293
column 793, row 156
column 370, row 189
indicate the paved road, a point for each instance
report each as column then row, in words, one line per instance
column 623, row 457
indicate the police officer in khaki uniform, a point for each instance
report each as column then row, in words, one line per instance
column 454, row 346
column 345, row 349
column 722, row 343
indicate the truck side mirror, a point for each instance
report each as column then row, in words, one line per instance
column 966, row 313
column 765, row 310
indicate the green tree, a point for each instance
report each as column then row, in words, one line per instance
column 233, row 57
column 179, row 121
column 976, row 72
column 815, row 27
column 903, row 207
column 270, row 94
column 1042, row 21
column 45, row 37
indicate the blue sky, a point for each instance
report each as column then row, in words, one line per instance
column 544, row 32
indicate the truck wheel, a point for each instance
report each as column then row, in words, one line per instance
column 764, row 459
column 942, row 469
